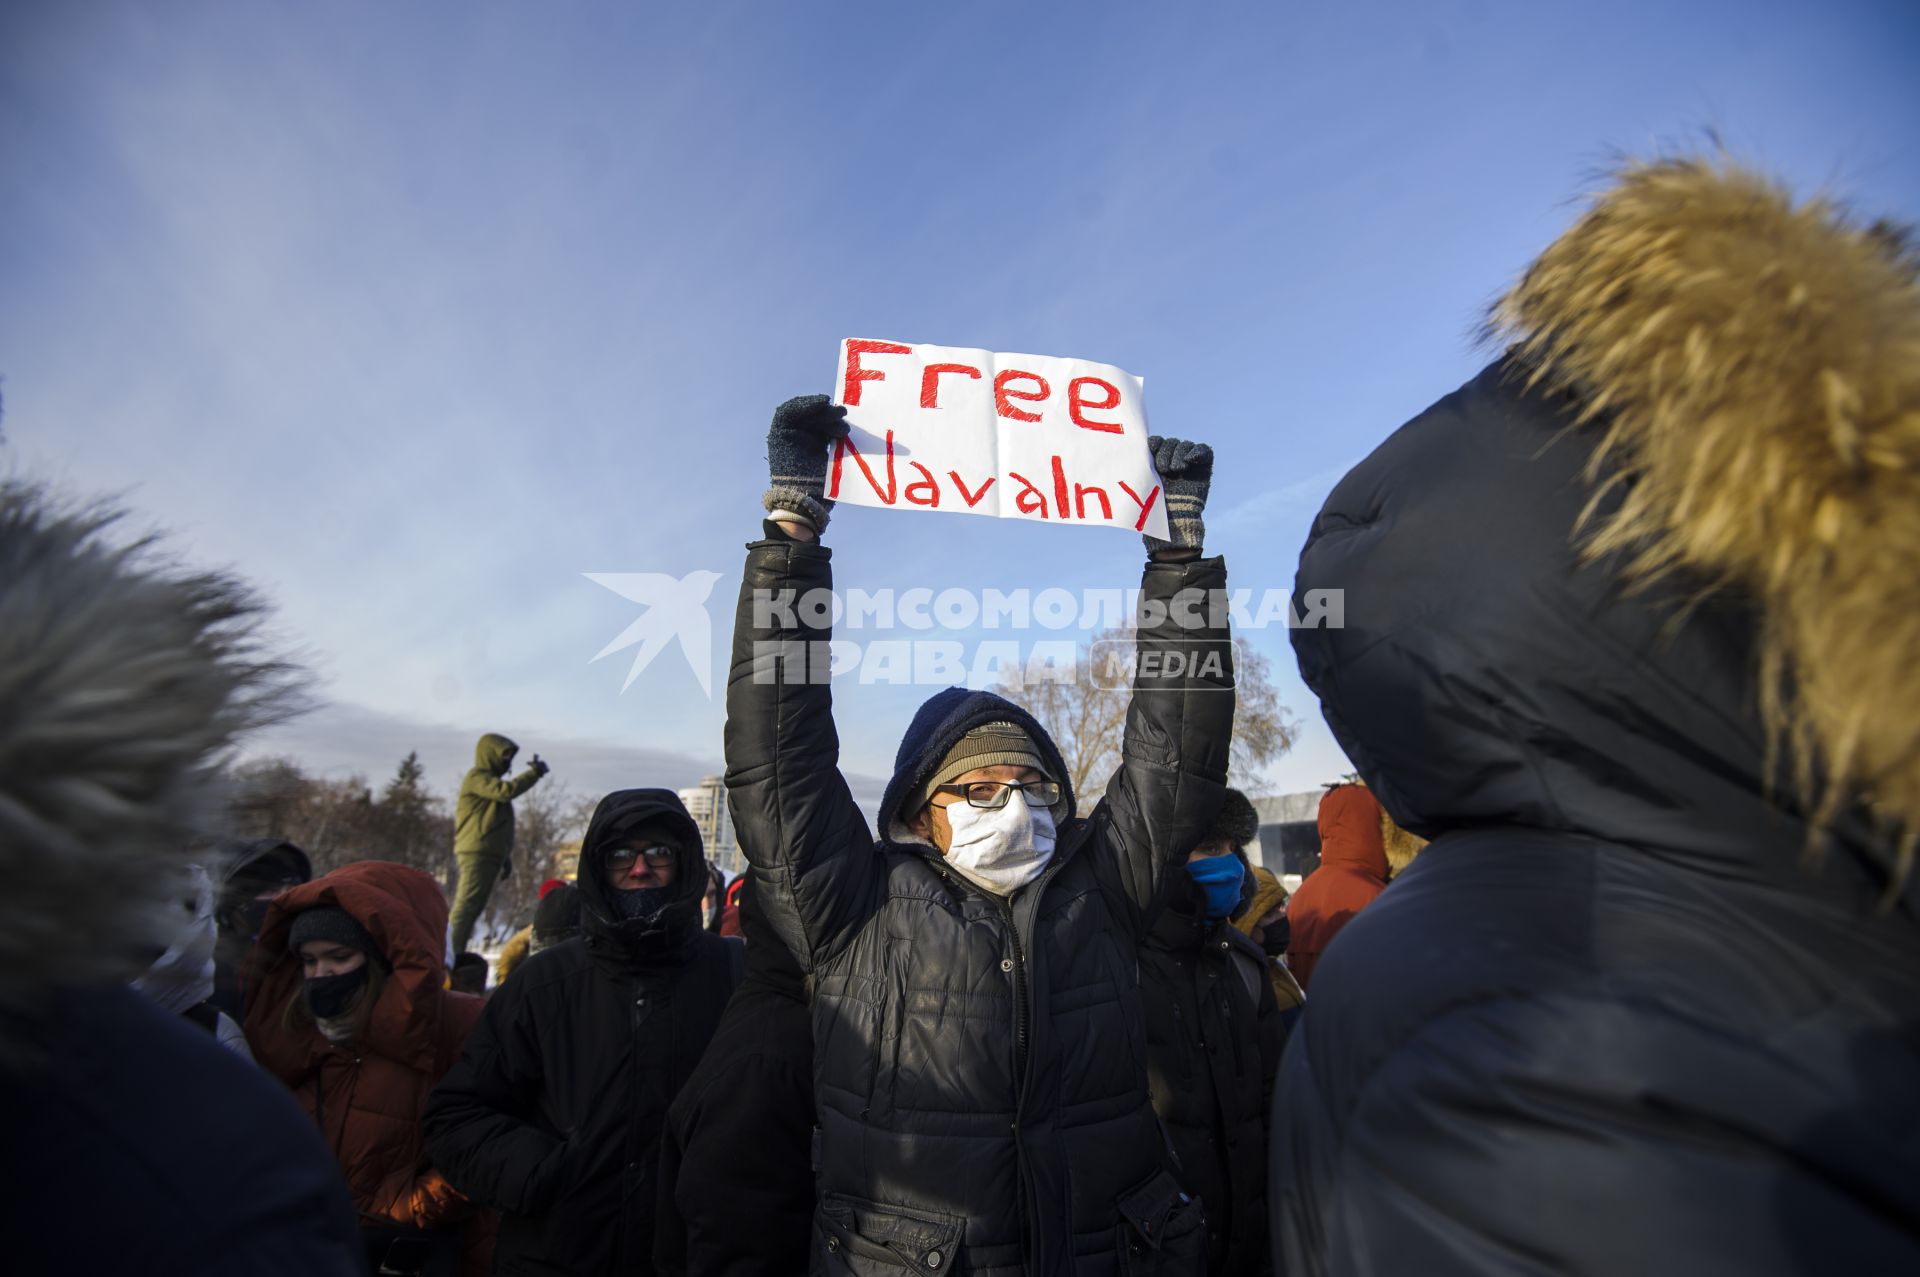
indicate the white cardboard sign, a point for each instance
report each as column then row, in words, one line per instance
column 1014, row 436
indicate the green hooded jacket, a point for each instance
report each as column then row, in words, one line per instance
column 483, row 815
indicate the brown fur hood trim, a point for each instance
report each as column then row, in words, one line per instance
column 1401, row 845
column 1753, row 367
column 123, row 681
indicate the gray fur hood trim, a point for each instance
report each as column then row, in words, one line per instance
column 124, row 681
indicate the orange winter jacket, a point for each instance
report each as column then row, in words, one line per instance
column 367, row 1095
column 1353, row 870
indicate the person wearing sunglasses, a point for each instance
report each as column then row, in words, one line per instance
column 553, row 1113
column 979, row 1058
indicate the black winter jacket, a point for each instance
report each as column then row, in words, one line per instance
column 979, row 1068
column 1214, row 1038
column 736, row 1158
column 1614, row 1019
column 553, row 1113
column 134, row 1143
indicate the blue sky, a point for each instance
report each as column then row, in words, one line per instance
column 415, row 313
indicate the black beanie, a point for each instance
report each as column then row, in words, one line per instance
column 558, row 914
column 331, row 923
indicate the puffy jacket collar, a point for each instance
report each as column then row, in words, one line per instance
column 665, row 935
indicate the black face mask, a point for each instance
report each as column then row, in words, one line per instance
column 641, row 902
column 329, row 996
column 1277, row 937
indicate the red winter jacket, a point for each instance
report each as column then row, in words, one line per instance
column 1353, row 870
column 368, row 1094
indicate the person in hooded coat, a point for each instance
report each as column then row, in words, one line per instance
column 362, row 1043
column 181, row 979
column 1264, row 921
column 1351, row 874
column 556, row 919
column 130, row 1141
column 1214, row 1038
column 553, row 1114
column 736, row 1157
column 979, row 1072
column 1631, row 631
column 519, row 945
column 713, row 907
column 255, row 873
column 483, row 828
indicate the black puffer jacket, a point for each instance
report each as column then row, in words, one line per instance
column 1214, row 1038
column 979, row 1068
column 1615, row 1019
column 554, row 1112
column 736, row 1158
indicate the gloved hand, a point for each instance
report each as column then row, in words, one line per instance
column 1186, row 471
column 539, row 765
column 797, row 457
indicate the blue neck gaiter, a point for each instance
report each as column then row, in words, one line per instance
column 1219, row 878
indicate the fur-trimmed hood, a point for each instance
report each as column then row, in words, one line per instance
column 1752, row 366
column 1675, row 527
column 1400, row 845
column 124, row 679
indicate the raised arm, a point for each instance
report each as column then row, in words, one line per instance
column 500, row 789
column 1173, row 756
column 811, row 849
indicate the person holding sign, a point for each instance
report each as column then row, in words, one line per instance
column 980, row 1066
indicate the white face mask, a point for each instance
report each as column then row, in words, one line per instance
column 1000, row 850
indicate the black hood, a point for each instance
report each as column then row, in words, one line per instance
column 938, row 726
column 1487, row 676
column 264, row 859
column 620, row 816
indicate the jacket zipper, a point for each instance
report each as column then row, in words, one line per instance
column 1020, row 1026
column 1020, row 1012
column 1021, row 1017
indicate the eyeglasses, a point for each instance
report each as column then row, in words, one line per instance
column 993, row 794
column 623, row 858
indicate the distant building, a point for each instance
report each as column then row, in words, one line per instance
column 707, row 804
column 1290, row 832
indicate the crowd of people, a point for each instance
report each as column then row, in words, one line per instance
column 1649, row 1001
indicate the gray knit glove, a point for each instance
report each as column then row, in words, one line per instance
column 797, row 457
column 1186, row 471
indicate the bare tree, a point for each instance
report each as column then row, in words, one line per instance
column 339, row 821
column 1084, row 706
